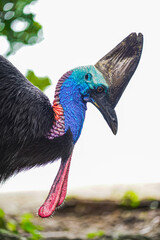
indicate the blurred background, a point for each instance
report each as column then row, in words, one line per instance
column 45, row 39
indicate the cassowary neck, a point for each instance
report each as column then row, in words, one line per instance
column 69, row 108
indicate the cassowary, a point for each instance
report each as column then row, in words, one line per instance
column 33, row 132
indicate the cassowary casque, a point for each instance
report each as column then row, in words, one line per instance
column 33, row 132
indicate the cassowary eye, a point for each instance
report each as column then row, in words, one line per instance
column 88, row 76
column 100, row 89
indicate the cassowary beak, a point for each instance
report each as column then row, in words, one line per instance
column 100, row 101
column 117, row 68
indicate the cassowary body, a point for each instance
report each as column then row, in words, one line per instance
column 33, row 132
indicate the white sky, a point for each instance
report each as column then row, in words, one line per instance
column 78, row 33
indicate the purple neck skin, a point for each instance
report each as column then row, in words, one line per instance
column 58, row 127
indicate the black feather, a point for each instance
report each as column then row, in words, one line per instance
column 26, row 117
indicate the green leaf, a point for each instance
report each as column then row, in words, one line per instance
column 28, row 226
column 11, row 14
column 27, row 217
column 12, row 226
column 2, row 214
column 40, row 82
column 95, row 234
column 35, row 236
column 130, row 199
column 2, row 219
column 16, row 229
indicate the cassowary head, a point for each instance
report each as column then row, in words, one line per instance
column 103, row 83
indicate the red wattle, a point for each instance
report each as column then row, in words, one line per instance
column 64, row 188
column 58, row 191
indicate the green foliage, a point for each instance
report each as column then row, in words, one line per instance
column 95, row 234
column 2, row 219
column 12, row 14
column 26, row 225
column 12, row 226
column 40, row 82
column 130, row 199
column 2, row 214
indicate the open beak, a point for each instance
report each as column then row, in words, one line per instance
column 117, row 68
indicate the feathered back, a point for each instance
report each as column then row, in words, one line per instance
column 25, row 112
column 26, row 117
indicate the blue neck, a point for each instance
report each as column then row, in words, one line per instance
column 73, row 106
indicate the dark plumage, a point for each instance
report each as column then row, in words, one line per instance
column 26, row 117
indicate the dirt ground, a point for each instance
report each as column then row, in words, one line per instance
column 79, row 217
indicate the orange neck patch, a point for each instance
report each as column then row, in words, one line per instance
column 58, row 110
